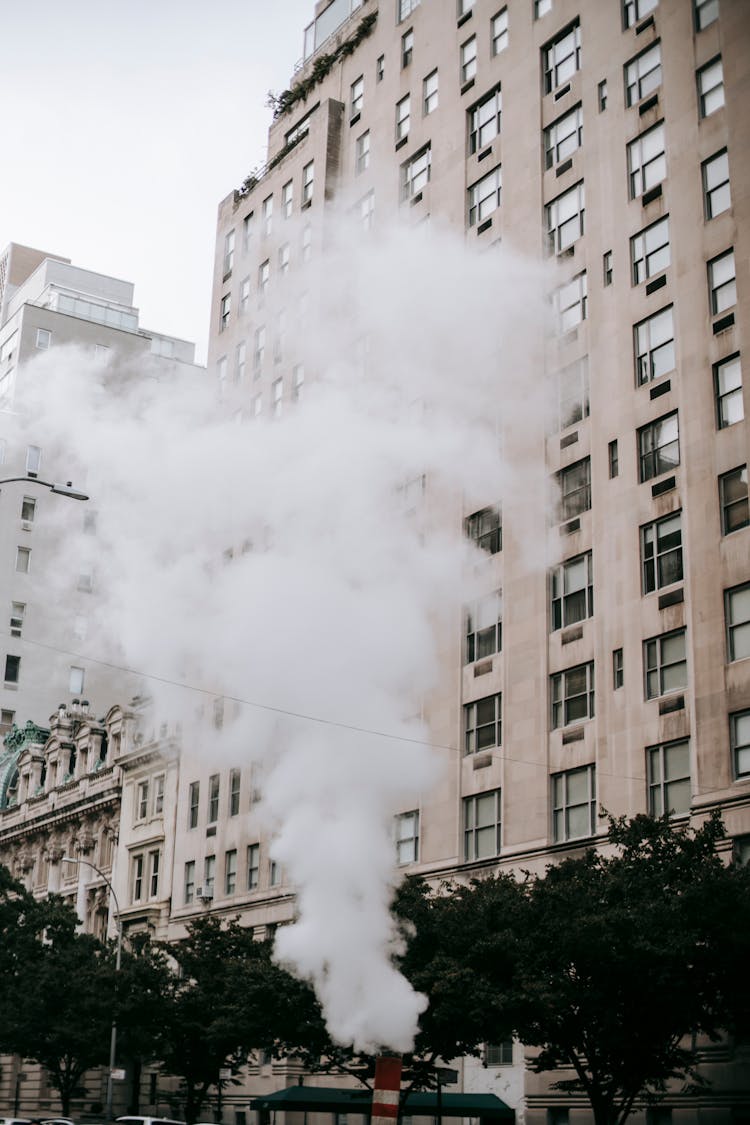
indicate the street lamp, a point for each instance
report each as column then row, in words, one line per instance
column 113, row 1035
column 59, row 489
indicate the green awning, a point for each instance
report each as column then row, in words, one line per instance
column 334, row 1099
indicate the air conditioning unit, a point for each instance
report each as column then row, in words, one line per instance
column 205, row 894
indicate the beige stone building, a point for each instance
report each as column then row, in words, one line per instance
column 607, row 139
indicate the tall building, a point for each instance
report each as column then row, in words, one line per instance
column 51, row 308
column 607, row 140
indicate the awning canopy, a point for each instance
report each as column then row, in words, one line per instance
column 334, row 1099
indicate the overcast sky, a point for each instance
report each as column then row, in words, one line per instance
column 124, row 125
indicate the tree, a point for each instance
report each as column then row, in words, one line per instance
column 228, row 999
column 625, row 957
column 607, row 963
column 64, row 1005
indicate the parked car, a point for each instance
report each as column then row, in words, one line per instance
column 56, row 1121
column 15, row 1121
column 148, row 1121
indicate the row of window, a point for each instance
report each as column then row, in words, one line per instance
column 263, row 278
column 206, row 889
column 571, row 692
column 213, row 798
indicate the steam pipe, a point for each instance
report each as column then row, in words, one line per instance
column 386, row 1090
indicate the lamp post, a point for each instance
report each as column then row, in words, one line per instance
column 59, row 489
column 113, row 1034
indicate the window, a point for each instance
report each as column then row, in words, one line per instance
column 614, row 459
column 415, row 173
column 484, row 196
column 561, row 58
column 659, row 447
column 225, row 311
column 17, row 613
column 574, row 804
column 240, row 361
column 209, row 873
column 575, row 489
column 12, row 669
column 643, row 74
column 403, row 114
column 737, row 610
column 274, row 873
column 706, row 11
column 141, row 801
column 28, row 509
column 650, row 251
column 483, row 724
column 189, row 882
column 499, row 31
column 430, row 93
column 722, row 282
column 234, row 792
column 647, row 161
column 287, row 199
column 380, row 68
column 75, row 680
column 157, row 799
column 716, row 193
column 298, row 381
column 636, row 10
column 230, row 872
column 277, row 398
column 572, row 592
column 256, row 405
column 136, row 878
column 739, row 737
column 228, row 254
column 569, row 302
column 356, row 96
column 541, row 7
column 654, row 346
column 499, row 1054
column 728, row 385
column 407, row 838
column 33, row 460
column 618, row 669
column 266, row 211
column 465, row 6
column 23, row 560
column 563, row 137
column 407, row 48
column 485, row 528
column 482, row 826
column 213, row 798
column 484, row 120
column 284, row 258
column 710, row 87
column 260, row 348
column 661, row 552
column 6, row 720
column 601, row 94
column 154, row 860
column 572, row 393
column 484, row 627
column 565, row 219
column 244, row 294
column 362, row 153
column 193, row 803
column 247, row 230
column 253, row 866
column 264, row 277
column 406, row 7
column 665, row 663
column 733, row 500
column 669, row 778
column 308, row 182
column 468, row 59
column 572, row 695
column 43, row 338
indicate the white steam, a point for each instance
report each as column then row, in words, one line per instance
column 342, row 594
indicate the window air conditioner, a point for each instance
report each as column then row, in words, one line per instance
column 205, row 893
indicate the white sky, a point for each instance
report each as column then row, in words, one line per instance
column 124, row 125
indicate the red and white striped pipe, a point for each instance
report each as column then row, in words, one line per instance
column 386, row 1092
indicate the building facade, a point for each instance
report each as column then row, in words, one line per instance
column 51, row 308
column 605, row 140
